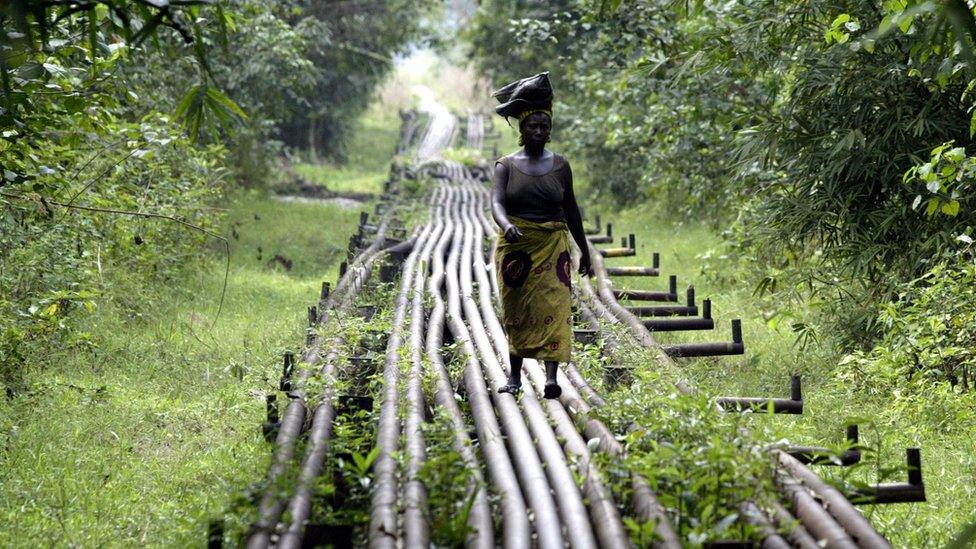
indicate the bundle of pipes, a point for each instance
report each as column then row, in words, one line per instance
column 540, row 503
column 332, row 300
column 653, row 270
column 529, row 451
column 295, row 418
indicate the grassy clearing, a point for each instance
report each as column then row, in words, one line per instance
column 940, row 423
column 371, row 147
column 155, row 428
column 164, row 413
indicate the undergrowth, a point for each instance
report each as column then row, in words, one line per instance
column 781, row 341
column 154, row 428
column 696, row 460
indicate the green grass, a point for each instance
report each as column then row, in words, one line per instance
column 371, row 146
column 941, row 424
column 157, row 428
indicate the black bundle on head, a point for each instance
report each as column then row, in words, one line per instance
column 523, row 97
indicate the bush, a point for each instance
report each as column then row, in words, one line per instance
column 57, row 260
column 929, row 333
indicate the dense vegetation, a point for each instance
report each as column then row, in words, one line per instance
column 831, row 139
column 148, row 283
column 122, row 124
column 830, row 143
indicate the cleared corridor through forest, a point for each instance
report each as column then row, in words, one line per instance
column 538, row 472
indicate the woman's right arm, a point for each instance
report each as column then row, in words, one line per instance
column 499, row 186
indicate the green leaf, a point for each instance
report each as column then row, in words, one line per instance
column 932, row 207
column 956, row 154
column 191, row 109
column 905, row 22
column 960, row 16
column 219, row 98
column 951, row 208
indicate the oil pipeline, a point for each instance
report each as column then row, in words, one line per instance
column 533, row 474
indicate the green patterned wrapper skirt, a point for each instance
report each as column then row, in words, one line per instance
column 534, row 275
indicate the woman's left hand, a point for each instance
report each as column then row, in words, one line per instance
column 585, row 268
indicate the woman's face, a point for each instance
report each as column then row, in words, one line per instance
column 535, row 128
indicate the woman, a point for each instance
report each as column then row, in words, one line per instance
column 534, row 204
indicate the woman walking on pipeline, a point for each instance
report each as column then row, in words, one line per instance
column 534, row 204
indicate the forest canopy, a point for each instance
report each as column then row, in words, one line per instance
column 123, row 122
column 831, row 140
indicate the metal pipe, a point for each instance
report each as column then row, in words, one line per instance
column 289, row 363
column 383, row 529
column 678, row 324
column 632, row 271
column 606, row 520
column 586, row 337
column 643, row 337
column 756, row 517
column 898, row 492
column 618, row 252
column 516, row 530
column 645, row 295
column 572, row 372
column 826, row 456
column 761, row 405
column 645, row 504
column 817, row 521
column 492, row 343
column 811, row 511
column 271, row 505
column 792, row 405
column 664, row 310
column 480, row 521
column 614, row 310
column 686, row 350
column 416, row 528
column 798, row 536
column 595, row 229
column 690, row 350
column 300, row 505
column 837, row 505
column 215, row 534
column 577, row 380
column 527, row 457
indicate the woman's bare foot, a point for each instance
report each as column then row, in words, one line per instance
column 511, row 388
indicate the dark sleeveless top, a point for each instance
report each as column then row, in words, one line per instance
column 536, row 198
